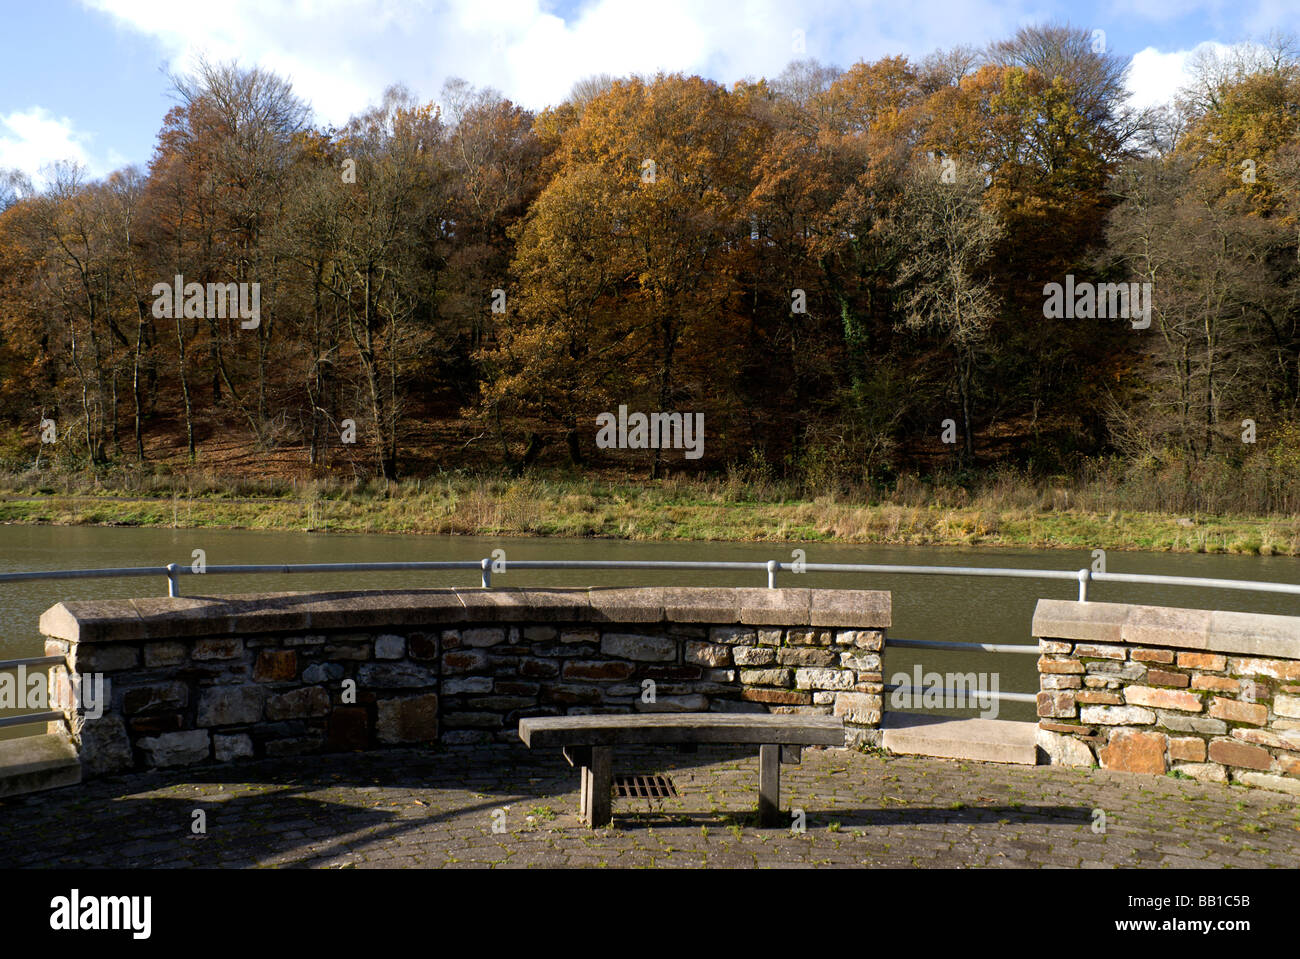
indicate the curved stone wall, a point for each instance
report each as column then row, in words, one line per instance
column 207, row 679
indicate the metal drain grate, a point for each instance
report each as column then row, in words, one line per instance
column 644, row 787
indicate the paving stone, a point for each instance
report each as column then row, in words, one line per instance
column 421, row 807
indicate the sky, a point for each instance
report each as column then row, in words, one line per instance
column 87, row 80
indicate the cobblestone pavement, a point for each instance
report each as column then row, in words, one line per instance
column 438, row 808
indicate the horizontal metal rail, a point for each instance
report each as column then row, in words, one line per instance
column 965, row 693
column 1200, row 581
column 31, row 719
column 28, row 719
column 936, row 570
column 34, row 661
column 941, row 644
column 488, row 566
column 109, row 573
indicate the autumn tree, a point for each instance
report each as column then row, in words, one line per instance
column 947, row 237
column 1048, row 169
column 236, row 132
column 383, row 277
column 492, row 157
column 564, row 345
column 75, row 290
column 309, row 234
column 1215, row 237
column 670, row 154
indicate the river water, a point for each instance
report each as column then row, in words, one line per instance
column 966, row 609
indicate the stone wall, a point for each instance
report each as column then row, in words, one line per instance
column 198, row 679
column 1214, row 695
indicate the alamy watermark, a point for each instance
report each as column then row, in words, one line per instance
column 638, row 431
column 36, row 692
column 1085, row 301
column 924, row 690
column 75, row 912
column 211, row 301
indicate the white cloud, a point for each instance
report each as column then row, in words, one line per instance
column 340, row 54
column 1166, row 10
column 34, row 138
column 1155, row 77
column 314, row 43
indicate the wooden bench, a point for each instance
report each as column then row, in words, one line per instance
column 588, row 742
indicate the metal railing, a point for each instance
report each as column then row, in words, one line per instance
column 31, row 719
column 41, row 716
column 963, row 693
column 983, row 647
column 488, row 565
column 964, row 647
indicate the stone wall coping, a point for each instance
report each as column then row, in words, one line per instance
column 128, row 620
column 1250, row 634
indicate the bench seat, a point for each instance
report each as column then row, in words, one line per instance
column 588, row 741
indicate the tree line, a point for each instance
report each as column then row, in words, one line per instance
column 844, row 271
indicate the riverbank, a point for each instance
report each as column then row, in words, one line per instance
column 672, row 510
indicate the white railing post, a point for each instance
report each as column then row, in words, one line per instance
column 173, row 580
column 772, row 567
column 487, row 573
column 1084, row 576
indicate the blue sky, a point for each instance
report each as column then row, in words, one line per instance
column 86, row 79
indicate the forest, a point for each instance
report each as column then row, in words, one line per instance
column 842, row 271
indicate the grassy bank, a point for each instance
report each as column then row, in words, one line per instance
column 675, row 509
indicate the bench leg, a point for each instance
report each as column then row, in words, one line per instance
column 596, row 785
column 769, row 786
column 596, row 782
column 584, row 790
